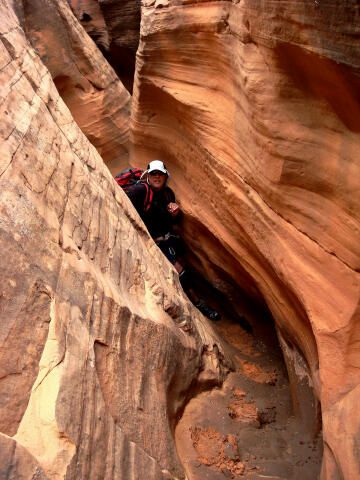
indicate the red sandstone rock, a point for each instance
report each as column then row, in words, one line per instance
column 90, row 88
column 254, row 108
column 263, row 95
column 89, row 13
column 123, row 24
column 115, row 28
column 216, row 451
column 93, row 344
column 16, row 461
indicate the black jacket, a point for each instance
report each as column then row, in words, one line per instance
column 157, row 219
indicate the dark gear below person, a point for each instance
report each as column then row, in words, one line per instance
column 159, row 219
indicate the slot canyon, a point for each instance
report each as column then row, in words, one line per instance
column 107, row 370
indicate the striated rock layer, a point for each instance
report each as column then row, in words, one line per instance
column 254, row 107
column 123, row 24
column 115, row 28
column 96, row 97
column 99, row 348
column 89, row 13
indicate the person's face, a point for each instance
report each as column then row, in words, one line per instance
column 157, row 179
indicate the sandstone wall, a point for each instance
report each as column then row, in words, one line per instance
column 89, row 13
column 115, row 28
column 254, row 107
column 96, row 97
column 99, row 348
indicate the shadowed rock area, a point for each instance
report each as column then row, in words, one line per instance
column 115, row 28
column 107, row 371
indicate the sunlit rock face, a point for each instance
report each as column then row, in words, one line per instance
column 97, row 99
column 99, row 348
column 254, row 107
column 115, row 28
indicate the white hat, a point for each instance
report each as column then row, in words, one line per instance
column 156, row 165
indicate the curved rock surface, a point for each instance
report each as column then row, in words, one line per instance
column 89, row 13
column 96, row 97
column 99, row 348
column 254, row 107
column 115, row 28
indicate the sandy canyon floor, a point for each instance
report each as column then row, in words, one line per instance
column 246, row 428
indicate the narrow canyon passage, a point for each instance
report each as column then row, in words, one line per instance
column 246, row 428
column 107, row 371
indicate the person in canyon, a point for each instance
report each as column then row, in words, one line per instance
column 156, row 205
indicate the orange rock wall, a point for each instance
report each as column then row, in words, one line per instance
column 97, row 99
column 254, row 107
column 115, row 28
column 89, row 14
column 99, row 347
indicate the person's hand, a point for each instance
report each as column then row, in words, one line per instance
column 173, row 209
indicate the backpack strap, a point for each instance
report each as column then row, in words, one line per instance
column 168, row 195
column 148, row 197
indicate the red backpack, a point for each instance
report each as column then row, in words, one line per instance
column 128, row 178
column 132, row 176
